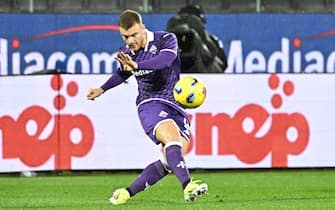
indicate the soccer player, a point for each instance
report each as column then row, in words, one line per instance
column 152, row 57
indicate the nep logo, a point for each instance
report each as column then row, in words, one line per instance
column 13, row 61
column 72, row 135
column 290, row 58
column 252, row 133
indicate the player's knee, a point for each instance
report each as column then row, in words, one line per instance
column 168, row 138
column 167, row 132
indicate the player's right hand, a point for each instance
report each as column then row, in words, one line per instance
column 126, row 61
column 94, row 93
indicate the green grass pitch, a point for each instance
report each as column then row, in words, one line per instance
column 241, row 189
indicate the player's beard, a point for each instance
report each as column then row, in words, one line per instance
column 135, row 46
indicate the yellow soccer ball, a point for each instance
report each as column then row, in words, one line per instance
column 189, row 92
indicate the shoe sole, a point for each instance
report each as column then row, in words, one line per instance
column 198, row 192
column 114, row 202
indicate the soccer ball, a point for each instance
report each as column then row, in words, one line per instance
column 189, row 92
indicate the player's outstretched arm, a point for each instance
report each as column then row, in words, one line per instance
column 94, row 93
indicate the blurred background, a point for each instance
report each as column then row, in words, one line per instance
column 268, row 65
column 164, row 6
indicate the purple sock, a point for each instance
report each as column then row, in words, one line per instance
column 177, row 164
column 149, row 176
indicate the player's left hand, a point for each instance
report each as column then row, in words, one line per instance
column 126, row 61
column 93, row 93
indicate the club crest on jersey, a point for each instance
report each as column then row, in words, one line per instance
column 153, row 49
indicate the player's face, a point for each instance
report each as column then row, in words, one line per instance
column 134, row 37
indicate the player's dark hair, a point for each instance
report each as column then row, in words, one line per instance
column 128, row 18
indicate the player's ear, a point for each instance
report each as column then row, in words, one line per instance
column 143, row 29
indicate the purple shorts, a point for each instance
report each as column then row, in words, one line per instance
column 152, row 113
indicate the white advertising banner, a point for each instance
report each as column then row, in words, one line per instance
column 247, row 121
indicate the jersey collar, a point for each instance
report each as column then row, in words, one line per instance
column 150, row 38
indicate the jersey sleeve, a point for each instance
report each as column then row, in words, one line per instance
column 170, row 43
column 117, row 78
column 167, row 54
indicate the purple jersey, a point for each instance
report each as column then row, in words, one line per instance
column 158, row 68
